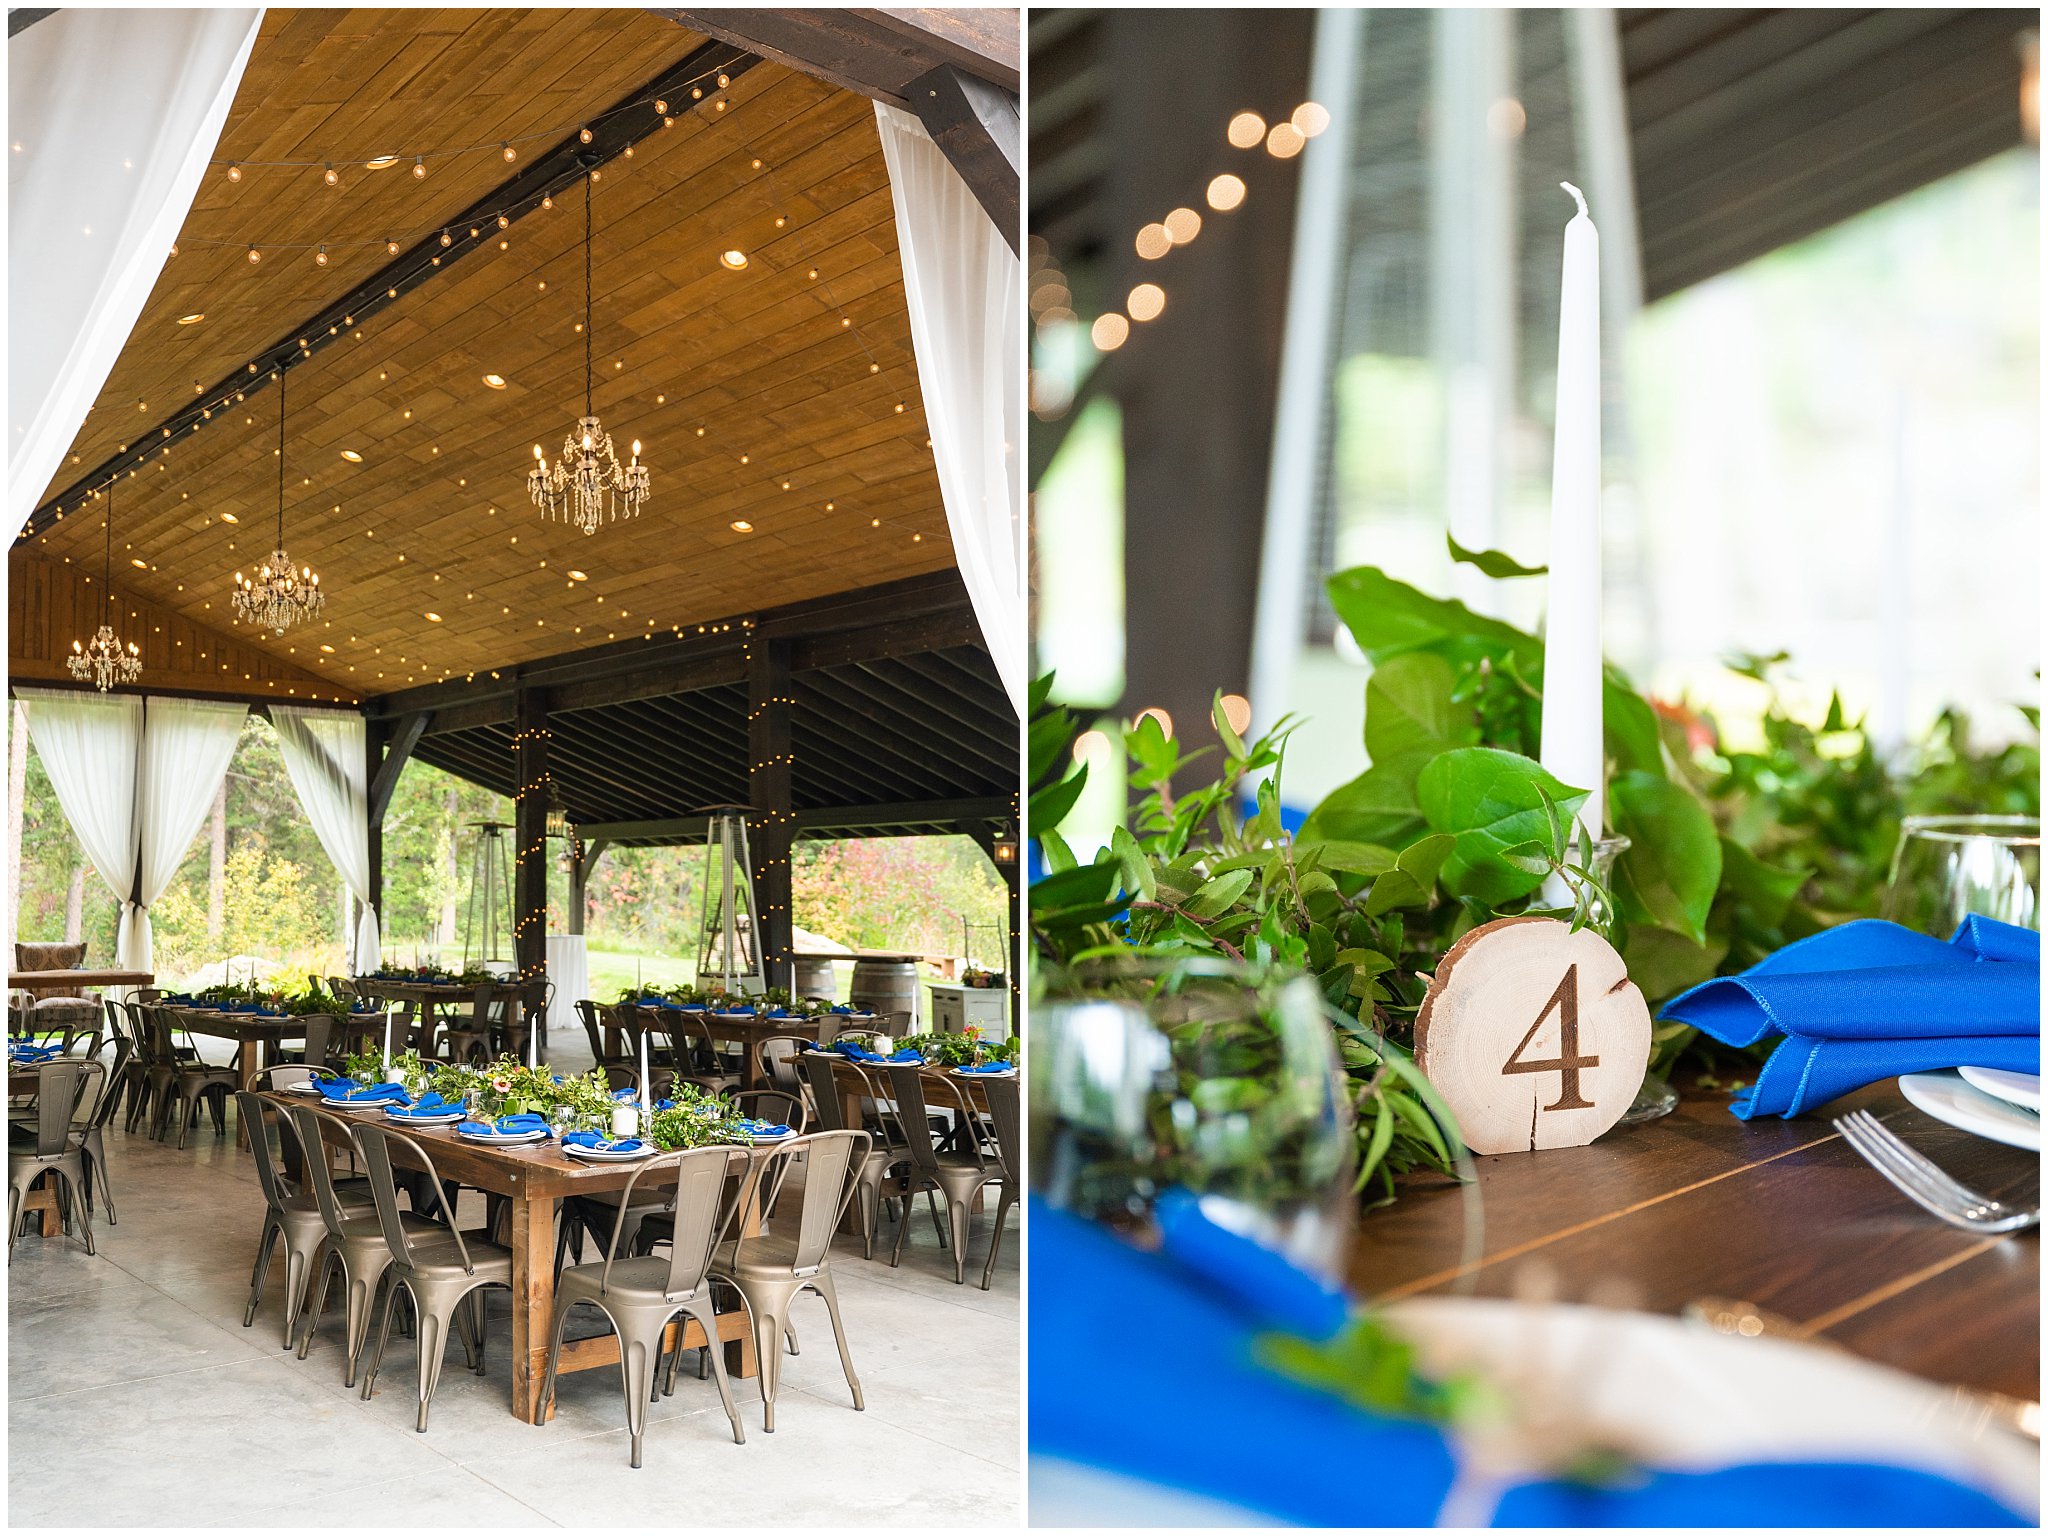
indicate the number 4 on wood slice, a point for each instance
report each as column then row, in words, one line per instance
column 1533, row 1034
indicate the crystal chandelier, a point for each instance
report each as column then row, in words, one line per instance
column 588, row 483
column 282, row 593
column 105, row 661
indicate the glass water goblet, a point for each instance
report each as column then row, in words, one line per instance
column 1947, row 868
column 1150, row 1073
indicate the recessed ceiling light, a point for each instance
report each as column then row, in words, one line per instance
column 328, row 649
column 742, row 526
column 736, row 260
column 578, row 576
column 495, row 380
column 140, row 565
column 190, row 319
column 433, row 618
column 381, row 163
column 351, row 455
column 229, row 517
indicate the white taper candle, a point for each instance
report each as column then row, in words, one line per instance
column 1572, row 745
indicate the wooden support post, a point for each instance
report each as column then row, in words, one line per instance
column 770, row 785
column 373, row 752
column 530, row 840
column 579, row 876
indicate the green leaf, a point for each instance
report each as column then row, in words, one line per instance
column 1488, row 801
column 1396, row 888
column 1492, row 561
column 1218, row 895
column 1378, row 806
column 1347, row 858
column 1663, row 964
column 1058, row 856
column 1136, row 867
column 1225, row 732
column 1408, row 708
column 1424, row 858
column 1632, row 738
column 1049, row 806
column 1765, row 890
column 1084, row 882
column 1388, row 617
column 1672, row 867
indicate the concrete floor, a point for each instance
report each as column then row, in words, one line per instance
column 135, row 1396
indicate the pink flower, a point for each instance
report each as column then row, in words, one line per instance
column 503, row 1085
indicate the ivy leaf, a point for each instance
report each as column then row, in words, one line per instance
column 1488, row 801
column 1347, row 858
column 1764, row 889
column 1378, row 806
column 1218, row 895
column 1409, row 711
column 1424, row 858
column 1387, row 617
column 1492, row 561
column 1672, row 867
column 1049, row 806
column 1396, row 888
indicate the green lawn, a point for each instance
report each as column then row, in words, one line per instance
column 612, row 969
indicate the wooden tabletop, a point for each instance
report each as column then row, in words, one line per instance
column 45, row 980
column 1779, row 1213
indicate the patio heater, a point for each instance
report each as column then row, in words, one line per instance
column 490, row 886
column 728, row 945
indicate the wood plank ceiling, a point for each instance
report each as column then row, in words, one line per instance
column 783, row 396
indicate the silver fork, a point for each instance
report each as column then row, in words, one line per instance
column 1926, row 1185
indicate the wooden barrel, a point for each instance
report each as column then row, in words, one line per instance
column 815, row 976
column 887, row 984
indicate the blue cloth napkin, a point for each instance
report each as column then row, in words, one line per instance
column 507, row 1125
column 33, row 1055
column 853, row 1050
column 1871, row 1000
column 650, row 1002
column 429, row 1105
column 736, row 1011
column 601, row 1144
column 346, row 1090
column 759, row 1128
column 1164, row 1389
column 775, row 1013
column 842, row 1007
column 991, row 1066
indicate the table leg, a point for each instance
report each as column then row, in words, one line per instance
column 248, row 1062
column 533, row 1299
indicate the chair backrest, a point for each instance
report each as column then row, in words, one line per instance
column 913, row 1114
column 1003, row 1098
column 691, row 1048
column 320, row 1028
column 375, row 1142
column 257, row 1113
column 61, row 1087
column 775, row 1106
column 586, row 1010
column 832, row 1166
column 702, row 1205
column 289, row 1074
column 109, row 1099
column 824, row 1092
column 778, row 1055
column 153, row 1034
column 309, row 1124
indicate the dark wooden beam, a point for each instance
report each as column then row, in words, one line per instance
column 384, row 777
column 655, row 682
column 873, row 53
column 878, row 642
column 551, row 174
column 985, row 810
column 975, row 125
column 530, row 842
column 770, row 779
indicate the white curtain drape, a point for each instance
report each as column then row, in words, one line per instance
column 324, row 753
column 186, row 744
column 964, row 286
column 111, row 117
column 89, row 744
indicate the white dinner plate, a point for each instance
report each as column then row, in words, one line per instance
column 516, row 1139
column 1954, row 1102
column 2021, row 1088
column 377, row 1104
column 450, row 1118
column 747, row 1139
column 604, row 1155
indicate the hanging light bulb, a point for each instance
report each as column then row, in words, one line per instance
column 419, row 167
column 509, row 153
column 331, row 176
column 320, row 256
column 585, row 135
column 234, row 172
column 254, row 255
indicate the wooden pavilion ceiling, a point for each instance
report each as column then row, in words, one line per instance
column 763, row 396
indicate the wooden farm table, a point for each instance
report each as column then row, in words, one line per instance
column 447, row 997
column 1779, row 1213
column 750, row 1030
column 70, row 981
column 533, row 1178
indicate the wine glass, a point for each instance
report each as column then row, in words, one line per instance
column 1947, row 868
column 1151, row 1073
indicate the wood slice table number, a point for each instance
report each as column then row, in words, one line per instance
column 1533, row 1034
